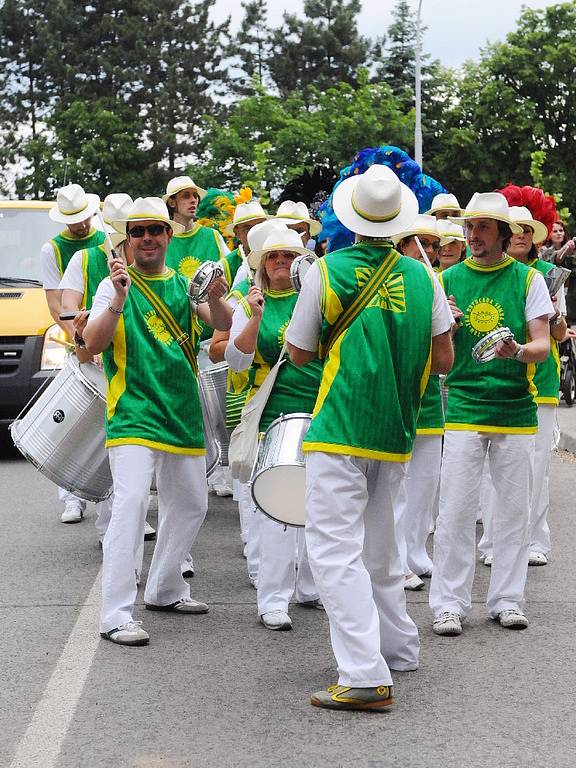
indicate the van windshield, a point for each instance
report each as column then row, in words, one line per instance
column 23, row 231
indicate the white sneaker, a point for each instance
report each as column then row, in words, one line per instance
column 447, row 623
column 316, row 604
column 223, row 489
column 73, row 512
column 488, row 560
column 130, row 633
column 276, row 620
column 512, row 619
column 537, row 558
column 413, row 582
column 149, row 532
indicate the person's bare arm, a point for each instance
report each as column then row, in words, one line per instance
column 534, row 351
column 216, row 312
column 99, row 332
column 218, row 346
column 300, row 356
column 442, row 353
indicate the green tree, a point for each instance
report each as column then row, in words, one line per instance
column 321, row 49
column 250, row 49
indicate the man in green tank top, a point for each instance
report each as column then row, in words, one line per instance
column 75, row 209
column 490, row 412
column 141, row 320
column 381, row 324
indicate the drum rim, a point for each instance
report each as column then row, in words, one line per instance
column 75, row 364
column 501, row 332
column 287, row 417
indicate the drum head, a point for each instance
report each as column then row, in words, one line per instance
column 299, row 270
column 279, row 493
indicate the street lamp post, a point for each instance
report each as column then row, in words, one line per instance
column 418, row 91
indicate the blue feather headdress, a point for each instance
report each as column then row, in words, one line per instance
column 408, row 171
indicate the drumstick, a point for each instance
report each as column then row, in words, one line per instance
column 61, row 341
column 113, row 253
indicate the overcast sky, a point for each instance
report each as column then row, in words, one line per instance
column 457, row 29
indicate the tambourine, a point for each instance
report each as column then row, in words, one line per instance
column 556, row 278
column 299, row 268
column 485, row 349
column 202, row 280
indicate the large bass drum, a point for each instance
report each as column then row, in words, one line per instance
column 212, row 384
column 62, row 431
column 278, row 480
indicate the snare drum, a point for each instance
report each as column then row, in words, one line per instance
column 212, row 385
column 62, row 432
column 278, row 480
column 299, row 269
column 485, row 349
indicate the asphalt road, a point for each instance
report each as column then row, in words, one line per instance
column 220, row 690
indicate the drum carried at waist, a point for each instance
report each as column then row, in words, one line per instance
column 212, row 384
column 278, row 481
column 61, row 432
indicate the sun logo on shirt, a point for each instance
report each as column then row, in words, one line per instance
column 483, row 316
column 282, row 332
column 188, row 266
column 391, row 294
column 158, row 329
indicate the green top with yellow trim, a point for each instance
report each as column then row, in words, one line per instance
column 547, row 376
column 232, row 263
column 239, row 383
column 95, row 269
column 187, row 251
column 152, row 391
column 66, row 244
column 496, row 396
column 431, row 415
column 296, row 388
column 377, row 360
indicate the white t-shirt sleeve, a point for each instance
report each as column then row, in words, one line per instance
column 306, row 323
column 538, row 301
column 442, row 317
column 561, row 301
column 224, row 250
column 237, row 360
column 73, row 277
column 102, row 298
column 49, row 268
column 241, row 275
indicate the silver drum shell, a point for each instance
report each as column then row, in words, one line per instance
column 212, row 385
column 278, row 481
column 62, row 433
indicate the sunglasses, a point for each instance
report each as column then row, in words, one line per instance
column 152, row 229
column 428, row 244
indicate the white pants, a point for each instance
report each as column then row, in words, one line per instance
column 103, row 516
column 539, row 530
column 245, row 507
column 67, row 496
column 510, row 458
column 355, row 563
column 182, row 504
column 413, row 508
column 283, row 571
column 253, row 540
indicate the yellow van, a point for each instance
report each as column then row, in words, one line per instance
column 31, row 345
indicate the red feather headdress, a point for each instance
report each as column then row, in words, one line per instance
column 541, row 206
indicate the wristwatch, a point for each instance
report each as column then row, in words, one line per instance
column 519, row 354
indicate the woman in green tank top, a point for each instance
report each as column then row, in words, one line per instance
column 256, row 340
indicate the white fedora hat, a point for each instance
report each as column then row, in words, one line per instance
column 116, row 206
column 147, row 209
column 259, row 232
column 450, row 232
column 521, row 215
column 179, row 183
column 245, row 212
column 422, row 225
column 445, row 202
column 375, row 203
column 73, row 205
column 290, row 212
column 487, row 205
column 278, row 239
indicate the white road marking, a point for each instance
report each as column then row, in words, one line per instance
column 42, row 742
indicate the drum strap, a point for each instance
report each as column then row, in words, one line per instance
column 180, row 336
column 361, row 301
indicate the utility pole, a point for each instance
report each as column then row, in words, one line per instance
column 418, row 90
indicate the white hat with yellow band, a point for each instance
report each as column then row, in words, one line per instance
column 147, row 209
column 487, row 205
column 73, row 205
column 422, row 225
column 521, row 215
column 180, row 183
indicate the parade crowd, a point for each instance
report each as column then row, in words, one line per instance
column 420, row 365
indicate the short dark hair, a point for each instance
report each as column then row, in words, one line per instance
column 504, row 231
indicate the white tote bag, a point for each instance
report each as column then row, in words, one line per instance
column 244, row 439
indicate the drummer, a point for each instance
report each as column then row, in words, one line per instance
column 491, row 412
column 380, row 321
column 75, row 209
column 142, row 322
column 297, row 217
column 413, row 508
column 194, row 244
column 246, row 216
column 452, row 244
column 444, row 205
column 257, row 340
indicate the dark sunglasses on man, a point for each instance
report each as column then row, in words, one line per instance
column 152, row 229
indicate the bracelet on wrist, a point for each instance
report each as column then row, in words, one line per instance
column 519, row 354
column 114, row 310
column 78, row 340
column 557, row 319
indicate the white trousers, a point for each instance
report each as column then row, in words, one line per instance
column 355, row 563
column 511, row 458
column 283, row 570
column 413, row 508
column 182, row 504
column 245, row 507
column 539, row 536
column 66, row 496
